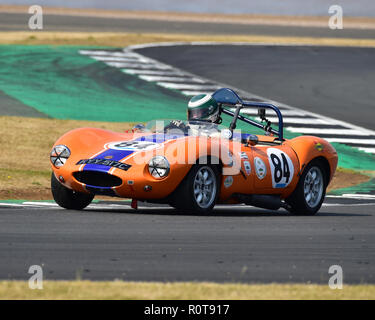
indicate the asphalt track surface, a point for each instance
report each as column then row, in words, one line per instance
column 239, row 244
column 333, row 81
column 19, row 22
column 13, row 107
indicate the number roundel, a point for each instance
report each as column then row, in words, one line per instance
column 132, row 145
column 282, row 168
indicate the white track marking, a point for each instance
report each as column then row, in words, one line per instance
column 368, row 150
column 154, row 208
column 118, row 59
column 137, row 65
column 91, row 52
column 304, row 120
column 194, row 93
column 126, row 206
column 92, row 206
column 181, row 86
column 166, row 78
column 40, row 204
column 7, row 204
column 285, row 113
column 354, row 196
column 213, row 43
column 322, row 131
column 348, row 140
column 152, row 72
column 358, row 196
column 108, row 53
column 347, row 204
column 107, row 206
column 155, row 44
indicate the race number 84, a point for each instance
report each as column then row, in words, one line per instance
column 281, row 168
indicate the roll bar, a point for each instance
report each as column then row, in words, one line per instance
column 226, row 96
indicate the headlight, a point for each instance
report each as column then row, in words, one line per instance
column 59, row 155
column 158, row 167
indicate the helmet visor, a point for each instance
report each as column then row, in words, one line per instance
column 198, row 113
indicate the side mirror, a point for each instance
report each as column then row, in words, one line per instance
column 139, row 128
column 262, row 113
column 251, row 140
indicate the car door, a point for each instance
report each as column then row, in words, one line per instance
column 275, row 169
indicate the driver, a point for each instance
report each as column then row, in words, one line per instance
column 201, row 107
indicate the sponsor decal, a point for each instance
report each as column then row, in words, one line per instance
column 282, row 168
column 247, row 166
column 132, row 145
column 226, row 134
column 319, row 146
column 260, row 168
column 108, row 157
column 228, row 181
column 105, row 162
column 230, row 161
column 243, row 155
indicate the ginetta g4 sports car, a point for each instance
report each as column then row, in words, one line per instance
column 193, row 165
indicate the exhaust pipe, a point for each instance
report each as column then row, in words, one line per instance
column 272, row 202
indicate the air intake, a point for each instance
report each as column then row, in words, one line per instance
column 97, row 178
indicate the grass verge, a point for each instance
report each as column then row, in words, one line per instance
column 72, row 290
column 24, row 159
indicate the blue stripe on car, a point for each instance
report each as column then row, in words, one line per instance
column 159, row 138
column 117, row 155
column 105, row 191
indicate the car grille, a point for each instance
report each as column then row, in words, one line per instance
column 97, row 178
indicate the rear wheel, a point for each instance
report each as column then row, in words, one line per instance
column 68, row 198
column 199, row 191
column 309, row 194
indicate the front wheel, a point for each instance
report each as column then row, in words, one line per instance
column 309, row 194
column 68, row 198
column 199, row 191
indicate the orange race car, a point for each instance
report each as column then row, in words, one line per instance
column 193, row 165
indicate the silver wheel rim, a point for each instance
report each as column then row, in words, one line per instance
column 313, row 187
column 204, row 187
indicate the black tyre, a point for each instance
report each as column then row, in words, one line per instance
column 309, row 194
column 68, row 198
column 199, row 191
